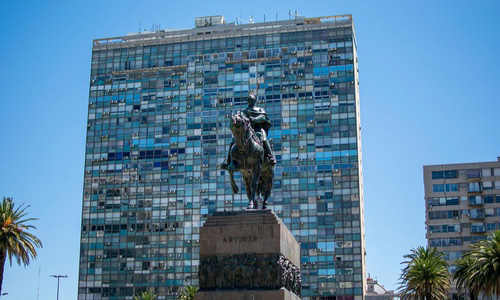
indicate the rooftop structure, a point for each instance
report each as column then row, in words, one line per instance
column 376, row 291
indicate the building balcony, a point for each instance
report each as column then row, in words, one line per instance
column 475, row 192
column 477, row 217
column 473, row 179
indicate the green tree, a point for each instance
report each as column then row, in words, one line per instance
column 15, row 241
column 145, row 296
column 468, row 275
column 486, row 255
column 425, row 276
column 188, row 293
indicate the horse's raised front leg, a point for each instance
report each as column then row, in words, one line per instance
column 233, row 184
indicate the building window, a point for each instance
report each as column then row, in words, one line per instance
column 452, row 255
column 442, row 201
column 447, row 187
column 444, row 214
column 487, row 185
column 474, row 187
column 475, row 200
column 490, row 226
column 475, row 239
column 477, row 227
column 488, row 199
column 473, row 173
column 442, row 242
column 444, row 228
column 476, row 213
column 444, row 174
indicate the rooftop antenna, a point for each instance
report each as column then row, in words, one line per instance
column 155, row 27
column 290, row 14
column 264, row 18
column 139, row 26
column 296, row 14
column 276, row 16
column 251, row 19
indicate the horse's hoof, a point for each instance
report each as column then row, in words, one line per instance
column 264, row 206
column 235, row 190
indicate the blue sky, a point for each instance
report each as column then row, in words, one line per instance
column 428, row 80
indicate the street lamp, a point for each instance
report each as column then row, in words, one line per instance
column 58, row 277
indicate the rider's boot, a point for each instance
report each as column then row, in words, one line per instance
column 270, row 153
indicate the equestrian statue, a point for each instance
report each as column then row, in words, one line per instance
column 251, row 153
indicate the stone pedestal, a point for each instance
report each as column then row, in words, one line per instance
column 248, row 255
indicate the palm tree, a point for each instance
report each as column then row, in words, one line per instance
column 145, row 296
column 486, row 255
column 468, row 275
column 15, row 241
column 425, row 275
column 188, row 293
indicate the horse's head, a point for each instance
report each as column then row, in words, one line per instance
column 238, row 124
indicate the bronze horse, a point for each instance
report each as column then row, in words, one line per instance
column 250, row 160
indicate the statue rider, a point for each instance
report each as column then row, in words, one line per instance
column 261, row 124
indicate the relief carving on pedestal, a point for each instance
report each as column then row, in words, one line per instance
column 249, row 271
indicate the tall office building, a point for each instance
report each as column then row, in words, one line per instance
column 158, row 131
column 462, row 206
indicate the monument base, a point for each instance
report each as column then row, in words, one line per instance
column 281, row 294
column 248, row 255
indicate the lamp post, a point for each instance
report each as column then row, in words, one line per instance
column 58, row 277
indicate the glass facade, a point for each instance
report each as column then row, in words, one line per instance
column 158, row 131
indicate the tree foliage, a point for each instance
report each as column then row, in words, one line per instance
column 425, row 275
column 188, row 293
column 15, row 240
column 479, row 269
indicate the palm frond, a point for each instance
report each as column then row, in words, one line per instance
column 15, row 240
column 425, row 275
